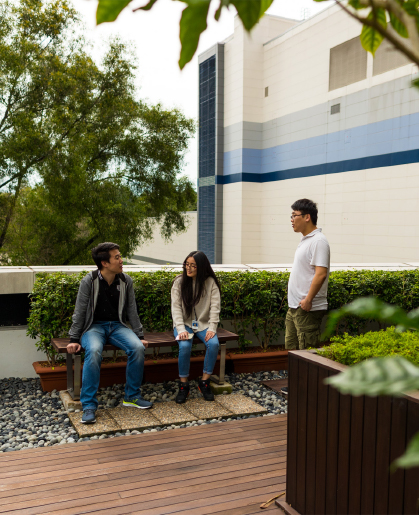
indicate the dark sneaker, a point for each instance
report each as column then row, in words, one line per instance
column 205, row 389
column 88, row 416
column 137, row 403
column 284, row 389
column 183, row 392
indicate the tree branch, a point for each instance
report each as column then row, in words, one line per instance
column 398, row 43
column 10, row 180
column 75, row 254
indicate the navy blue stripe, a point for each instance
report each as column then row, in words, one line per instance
column 350, row 165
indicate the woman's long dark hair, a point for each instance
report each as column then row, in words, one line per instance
column 204, row 270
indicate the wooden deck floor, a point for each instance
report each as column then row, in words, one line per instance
column 228, row 468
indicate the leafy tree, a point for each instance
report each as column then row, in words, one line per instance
column 105, row 164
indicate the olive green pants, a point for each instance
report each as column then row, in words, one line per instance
column 302, row 328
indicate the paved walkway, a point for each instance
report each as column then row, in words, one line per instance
column 228, row 468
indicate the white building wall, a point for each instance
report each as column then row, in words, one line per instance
column 159, row 251
column 368, row 215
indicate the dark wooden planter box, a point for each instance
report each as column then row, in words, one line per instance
column 340, row 447
column 114, row 373
column 259, row 361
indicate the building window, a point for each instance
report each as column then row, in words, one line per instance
column 388, row 58
column 206, row 170
column 348, row 64
column 335, row 109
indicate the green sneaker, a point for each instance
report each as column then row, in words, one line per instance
column 137, row 403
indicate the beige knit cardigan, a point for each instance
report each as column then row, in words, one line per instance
column 207, row 310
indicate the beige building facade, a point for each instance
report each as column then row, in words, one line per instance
column 299, row 109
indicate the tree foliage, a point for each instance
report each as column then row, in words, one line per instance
column 81, row 158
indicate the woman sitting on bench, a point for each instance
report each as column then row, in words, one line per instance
column 196, row 303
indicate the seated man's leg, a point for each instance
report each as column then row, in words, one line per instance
column 308, row 327
column 92, row 342
column 128, row 341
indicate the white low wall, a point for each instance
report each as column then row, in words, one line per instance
column 17, row 352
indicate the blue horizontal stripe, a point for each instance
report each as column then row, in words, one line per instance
column 349, row 165
column 393, row 135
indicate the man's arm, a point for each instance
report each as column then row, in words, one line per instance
column 132, row 313
column 79, row 315
column 319, row 277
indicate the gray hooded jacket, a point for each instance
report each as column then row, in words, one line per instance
column 86, row 304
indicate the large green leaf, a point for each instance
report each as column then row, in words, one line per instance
column 411, row 457
column 370, row 38
column 378, row 376
column 192, row 24
column 398, row 26
column 375, row 309
column 250, row 12
column 108, row 10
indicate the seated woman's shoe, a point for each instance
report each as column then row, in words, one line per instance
column 183, row 392
column 205, row 389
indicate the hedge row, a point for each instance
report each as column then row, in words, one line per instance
column 255, row 302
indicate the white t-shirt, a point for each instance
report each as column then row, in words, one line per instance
column 313, row 250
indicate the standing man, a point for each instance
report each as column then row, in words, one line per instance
column 307, row 286
column 105, row 303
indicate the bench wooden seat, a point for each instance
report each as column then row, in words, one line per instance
column 165, row 339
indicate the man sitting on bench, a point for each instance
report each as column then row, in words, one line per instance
column 105, row 302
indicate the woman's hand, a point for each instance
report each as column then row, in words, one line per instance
column 184, row 335
column 209, row 335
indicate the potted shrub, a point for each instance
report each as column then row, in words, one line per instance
column 347, row 443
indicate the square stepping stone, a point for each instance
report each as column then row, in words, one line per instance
column 171, row 413
column 134, row 418
column 105, row 423
column 240, row 404
column 203, row 409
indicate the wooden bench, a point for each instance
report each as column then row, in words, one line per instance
column 165, row 339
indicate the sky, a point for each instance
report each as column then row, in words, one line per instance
column 154, row 36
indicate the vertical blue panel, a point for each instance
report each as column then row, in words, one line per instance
column 206, row 221
column 206, row 167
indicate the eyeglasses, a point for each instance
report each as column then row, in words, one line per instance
column 187, row 265
column 293, row 216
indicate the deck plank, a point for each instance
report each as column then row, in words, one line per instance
column 226, row 468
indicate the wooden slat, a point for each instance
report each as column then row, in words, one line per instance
column 166, row 472
column 292, row 484
column 332, row 449
column 344, row 445
column 300, row 503
column 311, row 439
column 382, row 453
column 411, row 478
column 397, row 448
column 321, row 439
column 368, row 455
column 355, row 462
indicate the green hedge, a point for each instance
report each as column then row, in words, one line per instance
column 349, row 350
column 255, row 302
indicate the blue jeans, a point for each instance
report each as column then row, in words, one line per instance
column 185, row 347
column 93, row 342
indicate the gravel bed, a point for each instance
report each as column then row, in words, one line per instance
column 30, row 418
